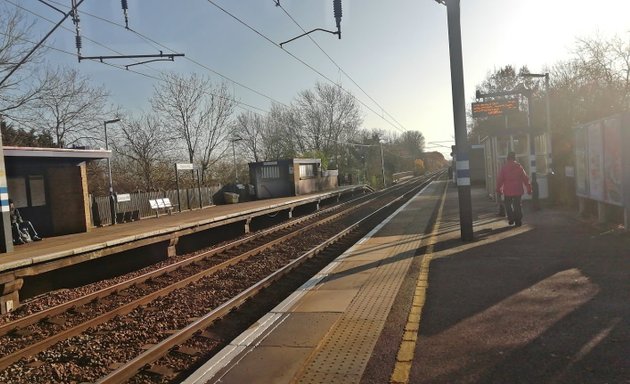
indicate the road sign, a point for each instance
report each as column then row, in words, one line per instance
column 184, row 167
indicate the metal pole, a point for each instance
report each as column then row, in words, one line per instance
column 459, row 116
column 112, row 199
column 383, row 165
column 18, row 65
column 109, row 166
column 199, row 189
column 188, row 195
column 532, row 155
column 549, row 151
column 235, row 168
column 179, row 200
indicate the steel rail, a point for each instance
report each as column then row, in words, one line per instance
column 28, row 320
column 129, row 307
column 132, row 367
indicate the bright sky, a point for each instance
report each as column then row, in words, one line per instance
column 396, row 51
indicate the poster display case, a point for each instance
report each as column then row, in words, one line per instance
column 601, row 164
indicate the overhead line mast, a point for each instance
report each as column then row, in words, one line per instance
column 277, row 3
column 151, row 57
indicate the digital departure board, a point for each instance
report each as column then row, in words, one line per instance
column 495, row 108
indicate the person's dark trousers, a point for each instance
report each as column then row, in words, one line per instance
column 17, row 239
column 513, row 209
column 25, row 226
column 31, row 230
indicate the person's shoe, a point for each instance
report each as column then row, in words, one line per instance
column 37, row 238
column 518, row 223
column 18, row 242
column 510, row 222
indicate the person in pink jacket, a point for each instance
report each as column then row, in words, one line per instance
column 510, row 182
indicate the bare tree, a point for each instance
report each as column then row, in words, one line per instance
column 250, row 128
column 603, row 71
column 329, row 115
column 15, row 41
column 144, row 142
column 220, row 106
column 198, row 112
column 70, row 108
column 281, row 138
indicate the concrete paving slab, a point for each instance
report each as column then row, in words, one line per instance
column 345, row 280
column 301, row 330
column 266, row 365
column 324, row 300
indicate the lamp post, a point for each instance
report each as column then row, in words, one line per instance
column 459, row 118
column 112, row 201
column 383, row 165
column 234, row 140
column 548, row 113
column 548, row 129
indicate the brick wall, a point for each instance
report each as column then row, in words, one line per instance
column 68, row 194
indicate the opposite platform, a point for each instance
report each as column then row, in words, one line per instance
column 164, row 234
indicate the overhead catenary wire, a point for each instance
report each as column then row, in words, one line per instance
column 23, row 60
column 209, row 69
column 338, row 66
column 159, row 46
column 241, row 104
column 299, row 60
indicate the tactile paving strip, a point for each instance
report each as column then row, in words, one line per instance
column 344, row 353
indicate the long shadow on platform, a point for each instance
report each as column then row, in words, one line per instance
column 547, row 305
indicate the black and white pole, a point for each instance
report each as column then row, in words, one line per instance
column 6, row 233
column 459, row 116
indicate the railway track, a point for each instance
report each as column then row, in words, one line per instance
column 156, row 325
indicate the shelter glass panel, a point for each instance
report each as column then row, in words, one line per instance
column 503, row 146
column 520, row 144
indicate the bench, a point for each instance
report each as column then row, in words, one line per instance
column 161, row 204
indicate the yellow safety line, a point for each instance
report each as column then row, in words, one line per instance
column 404, row 358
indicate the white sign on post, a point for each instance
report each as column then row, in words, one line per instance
column 184, row 167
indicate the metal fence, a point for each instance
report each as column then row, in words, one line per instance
column 138, row 207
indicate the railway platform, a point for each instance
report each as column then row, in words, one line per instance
column 165, row 236
column 546, row 302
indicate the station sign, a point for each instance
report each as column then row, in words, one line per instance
column 495, row 108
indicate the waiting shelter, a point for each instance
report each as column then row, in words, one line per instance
column 290, row 177
column 49, row 186
column 496, row 149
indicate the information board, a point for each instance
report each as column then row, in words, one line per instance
column 495, row 108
